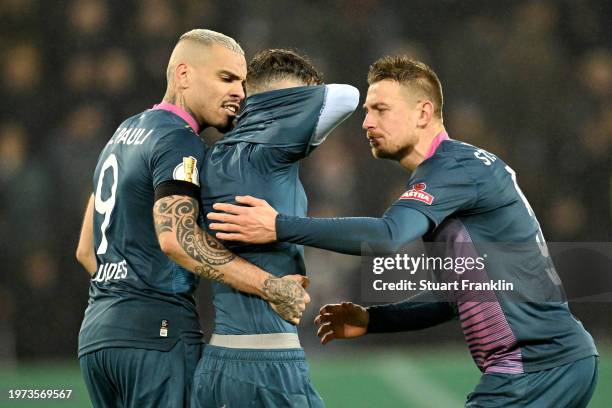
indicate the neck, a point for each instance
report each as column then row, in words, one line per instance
column 418, row 153
column 178, row 99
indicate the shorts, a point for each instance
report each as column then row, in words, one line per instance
column 240, row 378
column 133, row 377
column 570, row 385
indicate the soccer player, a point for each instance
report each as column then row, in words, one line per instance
column 532, row 353
column 254, row 358
column 140, row 339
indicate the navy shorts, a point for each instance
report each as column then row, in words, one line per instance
column 570, row 385
column 239, row 378
column 132, row 377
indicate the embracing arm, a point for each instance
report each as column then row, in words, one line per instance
column 85, row 249
column 258, row 222
column 397, row 227
column 183, row 241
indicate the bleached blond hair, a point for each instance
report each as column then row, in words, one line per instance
column 209, row 37
column 206, row 38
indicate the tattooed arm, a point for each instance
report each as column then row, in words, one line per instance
column 184, row 242
column 85, row 250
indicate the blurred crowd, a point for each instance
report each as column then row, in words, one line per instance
column 529, row 81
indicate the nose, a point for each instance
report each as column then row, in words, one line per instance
column 368, row 122
column 238, row 91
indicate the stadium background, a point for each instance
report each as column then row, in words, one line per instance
column 529, row 81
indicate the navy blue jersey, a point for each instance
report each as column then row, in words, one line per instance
column 260, row 158
column 138, row 297
column 472, row 199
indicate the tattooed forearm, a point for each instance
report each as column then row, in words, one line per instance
column 207, row 271
column 287, row 296
column 176, row 223
column 180, row 214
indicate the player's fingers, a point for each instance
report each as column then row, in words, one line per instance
column 225, row 227
column 225, row 217
column 324, row 329
column 329, row 336
column 229, row 208
column 230, row 236
column 301, row 279
column 250, row 200
column 329, row 308
column 323, row 318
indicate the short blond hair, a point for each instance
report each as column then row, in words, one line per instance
column 407, row 71
column 206, row 38
column 209, row 37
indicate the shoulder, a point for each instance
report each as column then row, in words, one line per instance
column 170, row 130
column 462, row 157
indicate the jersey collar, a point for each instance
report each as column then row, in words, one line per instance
column 442, row 136
column 181, row 113
column 278, row 98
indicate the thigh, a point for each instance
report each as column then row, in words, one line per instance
column 102, row 391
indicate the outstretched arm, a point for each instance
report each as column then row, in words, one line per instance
column 415, row 313
column 182, row 240
column 258, row 222
column 348, row 320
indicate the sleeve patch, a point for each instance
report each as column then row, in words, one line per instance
column 417, row 192
column 187, row 171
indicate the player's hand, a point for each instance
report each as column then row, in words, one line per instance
column 342, row 321
column 287, row 296
column 304, row 281
column 254, row 222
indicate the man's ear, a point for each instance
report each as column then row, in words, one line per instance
column 181, row 75
column 426, row 113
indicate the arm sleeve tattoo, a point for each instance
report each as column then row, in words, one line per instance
column 178, row 214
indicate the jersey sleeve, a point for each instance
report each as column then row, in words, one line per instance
column 340, row 101
column 415, row 313
column 179, row 156
column 397, row 227
column 316, row 112
column 439, row 188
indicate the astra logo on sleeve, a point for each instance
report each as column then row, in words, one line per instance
column 187, row 171
column 417, row 192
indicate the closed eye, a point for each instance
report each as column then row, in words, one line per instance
column 379, row 107
column 227, row 76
